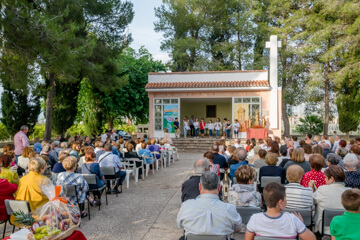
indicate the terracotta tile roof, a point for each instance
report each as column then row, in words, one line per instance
column 218, row 84
column 201, row 72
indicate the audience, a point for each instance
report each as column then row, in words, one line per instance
column 213, row 167
column 352, row 175
column 7, row 191
column 23, row 160
column 275, row 222
column 261, row 161
column 271, row 169
column 241, row 155
column 58, row 167
column 329, row 195
column 256, row 156
column 316, row 176
column 346, row 226
column 297, row 196
column 71, row 178
column 190, row 188
column 30, row 185
column 283, row 159
column 243, row 194
column 207, row 214
column 298, row 158
column 6, row 172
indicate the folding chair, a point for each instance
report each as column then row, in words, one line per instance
column 5, row 222
column 175, row 153
column 268, row 179
column 146, row 160
column 91, row 179
column 191, row 236
column 70, row 191
column 136, row 169
column 247, row 212
column 110, row 175
column 327, row 216
column 15, row 206
column 306, row 214
column 129, row 169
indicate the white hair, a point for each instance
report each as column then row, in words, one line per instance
column 350, row 161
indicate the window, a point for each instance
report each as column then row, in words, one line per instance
column 211, row 111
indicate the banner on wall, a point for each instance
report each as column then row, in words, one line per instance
column 170, row 113
column 241, row 113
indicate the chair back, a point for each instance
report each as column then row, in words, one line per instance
column 79, row 170
column 71, row 191
column 16, row 205
column 205, row 237
column 145, row 158
column 247, row 212
column 306, row 214
column 328, row 215
column 108, row 170
column 268, row 179
column 90, row 178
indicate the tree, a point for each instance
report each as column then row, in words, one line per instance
column 65, row 106
column 19, row 108
column 310, row 124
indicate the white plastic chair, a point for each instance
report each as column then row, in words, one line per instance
column 157, row 160
column 147, row 159
column 175, row 153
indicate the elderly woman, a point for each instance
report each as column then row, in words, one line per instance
column 7, row 191
column 317, row 162
column 58, row 167
column 243, row 193
column 30, row 185
column 92, row 167
column 71, row 178
column 213, row 167
column 23, row 159
column 316, row 149
column 329, row 195
column 271, row 169
column 297, row 196
column 6, row 172
column 352, row 176
column 298, row 158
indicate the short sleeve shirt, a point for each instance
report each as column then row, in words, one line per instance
column 346, row 226
column 287, row 225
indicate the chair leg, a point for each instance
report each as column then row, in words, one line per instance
column 13, row 229
column 127, row 179
column 106, row 197
column 88, row 209
column 4, row 229
column 136, row 175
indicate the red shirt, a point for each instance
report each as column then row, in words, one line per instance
column 202, row 125
column 317, row 176
column 7, row 191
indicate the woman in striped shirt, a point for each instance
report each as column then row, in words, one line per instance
column 297, row 196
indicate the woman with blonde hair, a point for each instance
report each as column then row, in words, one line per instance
column 76, row 147
column 243, row 194
column 271, row 169
column 23, row 160
column 298, row 158
column 30, row 185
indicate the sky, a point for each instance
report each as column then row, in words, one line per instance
column 142, row 28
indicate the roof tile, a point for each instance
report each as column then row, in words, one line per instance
column 217, row 84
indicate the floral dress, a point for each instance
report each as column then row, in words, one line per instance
column 317, row 176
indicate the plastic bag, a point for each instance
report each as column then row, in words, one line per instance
column 57, row 219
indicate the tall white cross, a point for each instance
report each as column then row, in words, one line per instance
column 273, row 44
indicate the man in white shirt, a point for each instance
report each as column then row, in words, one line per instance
column 237, row 143
column 336, row 143
column 105, row 136
column 108, row 159
column 114, row 135
column 324, row 138
column 207, row 215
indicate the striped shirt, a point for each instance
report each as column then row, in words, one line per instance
column 71, row 178
column 298, row 196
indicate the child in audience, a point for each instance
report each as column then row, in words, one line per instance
column 274, row 222
column 346, row 226
column 210, row 126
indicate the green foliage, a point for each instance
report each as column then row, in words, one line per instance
column 19, row 108
column 310, row 124
column 65, row 106
column 76, row 129
column 4, row 135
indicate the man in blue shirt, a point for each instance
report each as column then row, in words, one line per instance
column 241, row 155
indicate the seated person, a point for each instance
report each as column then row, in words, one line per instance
column 108, row 159
column 332, row 159
column 213, row 167
column 298, row 158
column 260, row 162
column 241, row 155
column 271, row 169
column 92, row 167
column 297, row 196
column 231, row 151
column 153, row 147
column 7, row 191
column 329, row 195
column 317, row 162
column 190, row 188
column 275, row 222
column 58, row 167
column 30, row 185
column 71, row 178
column 131, row 154
column 256, row 156
column 144, row 152
column 6, row 172
column 352, row 175
column 283, row 159
column 207, row 214
column 346, row 226
column 243, row 193
column 23, row 160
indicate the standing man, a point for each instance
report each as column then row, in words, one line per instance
column 105, row 136
column 21, row 141
column 114, row 136
column 191, row 123
column 176, row 128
